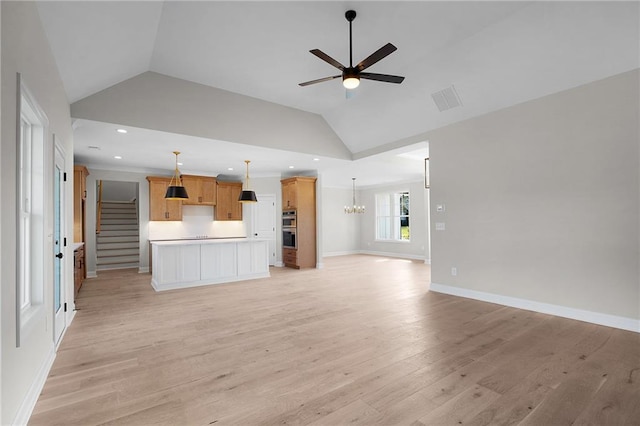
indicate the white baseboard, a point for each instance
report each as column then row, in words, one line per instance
column 340, row 253
column 427, row 261
column 279, row 264
column 143, row 270
column 92, row 274
column 387, row 254
column 319, row 265
column 376, row 253
column 614, row 321
column 30, row 399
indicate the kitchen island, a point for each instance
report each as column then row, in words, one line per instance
column 197, row 262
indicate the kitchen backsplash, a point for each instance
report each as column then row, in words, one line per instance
column 197, row 222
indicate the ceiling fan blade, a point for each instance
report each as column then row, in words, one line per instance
column 382, row 77
column 320, row 80
column 381, row 53
column 328, row 59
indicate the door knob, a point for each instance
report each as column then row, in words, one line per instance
column 59, row 255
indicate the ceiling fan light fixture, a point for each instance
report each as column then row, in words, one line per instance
column 350, row 82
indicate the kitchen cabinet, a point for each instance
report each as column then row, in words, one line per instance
column 228, row 207
column 80, row 174
column 299, row 193
column 190, row 263
column 161, row 209
column 201, row 190
column 289, row 194
column 79, row 269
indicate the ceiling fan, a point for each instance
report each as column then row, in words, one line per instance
column 351, row 75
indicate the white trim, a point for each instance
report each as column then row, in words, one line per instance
column 614, row 321
column 279, row 264
column 319, row 265
column 340, row 253
column 30, row 399
column 378, row 253
column 143, row 270
column 387, row 254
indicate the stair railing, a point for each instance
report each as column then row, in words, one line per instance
column 99, row 212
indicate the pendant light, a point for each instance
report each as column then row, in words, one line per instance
column 355, row 208
column 247, row 195
column 176, row 191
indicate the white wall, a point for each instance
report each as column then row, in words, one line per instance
column 341, row 232
column 542, row 202
column 25, row 50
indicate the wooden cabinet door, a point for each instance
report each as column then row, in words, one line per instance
column 228, row 207
column 289, row 194
column 209, row 191
column 201, row 190
column 193, row 185
column 161, row 209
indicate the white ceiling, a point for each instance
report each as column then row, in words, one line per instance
column 497, row 54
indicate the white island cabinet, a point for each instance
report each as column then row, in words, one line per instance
column 190, row 263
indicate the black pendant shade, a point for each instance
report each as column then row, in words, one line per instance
column 248, row 196
column 176, row 193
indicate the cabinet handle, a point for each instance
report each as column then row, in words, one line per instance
column 166, row 215
column 199, row 199
column 228, row 215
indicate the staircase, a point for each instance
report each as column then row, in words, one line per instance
column 118, row 245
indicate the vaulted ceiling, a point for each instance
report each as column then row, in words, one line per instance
column 495, row 54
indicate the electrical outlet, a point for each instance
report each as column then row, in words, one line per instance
column 440, row 226
column 454, row 271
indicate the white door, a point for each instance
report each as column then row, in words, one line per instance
column 58, row 247
column 263, row 222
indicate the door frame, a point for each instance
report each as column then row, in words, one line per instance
column 59, row 316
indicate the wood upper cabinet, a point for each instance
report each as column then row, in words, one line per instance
column 289, row 193
column 80, row 174
column 201, row 190
column 228, row 207
column 299, row 193
column 160, row 208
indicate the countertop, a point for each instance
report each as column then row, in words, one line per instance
column 204, row 241
column 76, row 246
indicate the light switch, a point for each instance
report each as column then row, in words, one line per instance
column 439, row 226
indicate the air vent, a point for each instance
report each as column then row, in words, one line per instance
column 446, row 98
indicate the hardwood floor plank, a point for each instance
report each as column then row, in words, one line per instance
column 361, row 340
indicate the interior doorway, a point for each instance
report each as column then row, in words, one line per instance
column 263, row 222
column 117, row 225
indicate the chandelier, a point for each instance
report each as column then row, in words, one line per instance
column 355, row 208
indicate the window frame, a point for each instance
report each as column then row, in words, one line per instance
column 32, row 214
column 391, row 201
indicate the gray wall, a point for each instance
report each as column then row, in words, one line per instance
column 159, row 102
column 25, row 50
column 119, row 191
column 542, row 200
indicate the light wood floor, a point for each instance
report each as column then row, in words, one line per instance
column 359, row 342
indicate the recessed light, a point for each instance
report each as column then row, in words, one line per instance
column 121, row 131
column 316, row 159
column 94, row 147
column 291, row 167
column 230, row 169
column 179, row 164
column 117, row 157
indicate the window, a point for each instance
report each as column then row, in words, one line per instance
column 392, row 216
column 30, row 205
